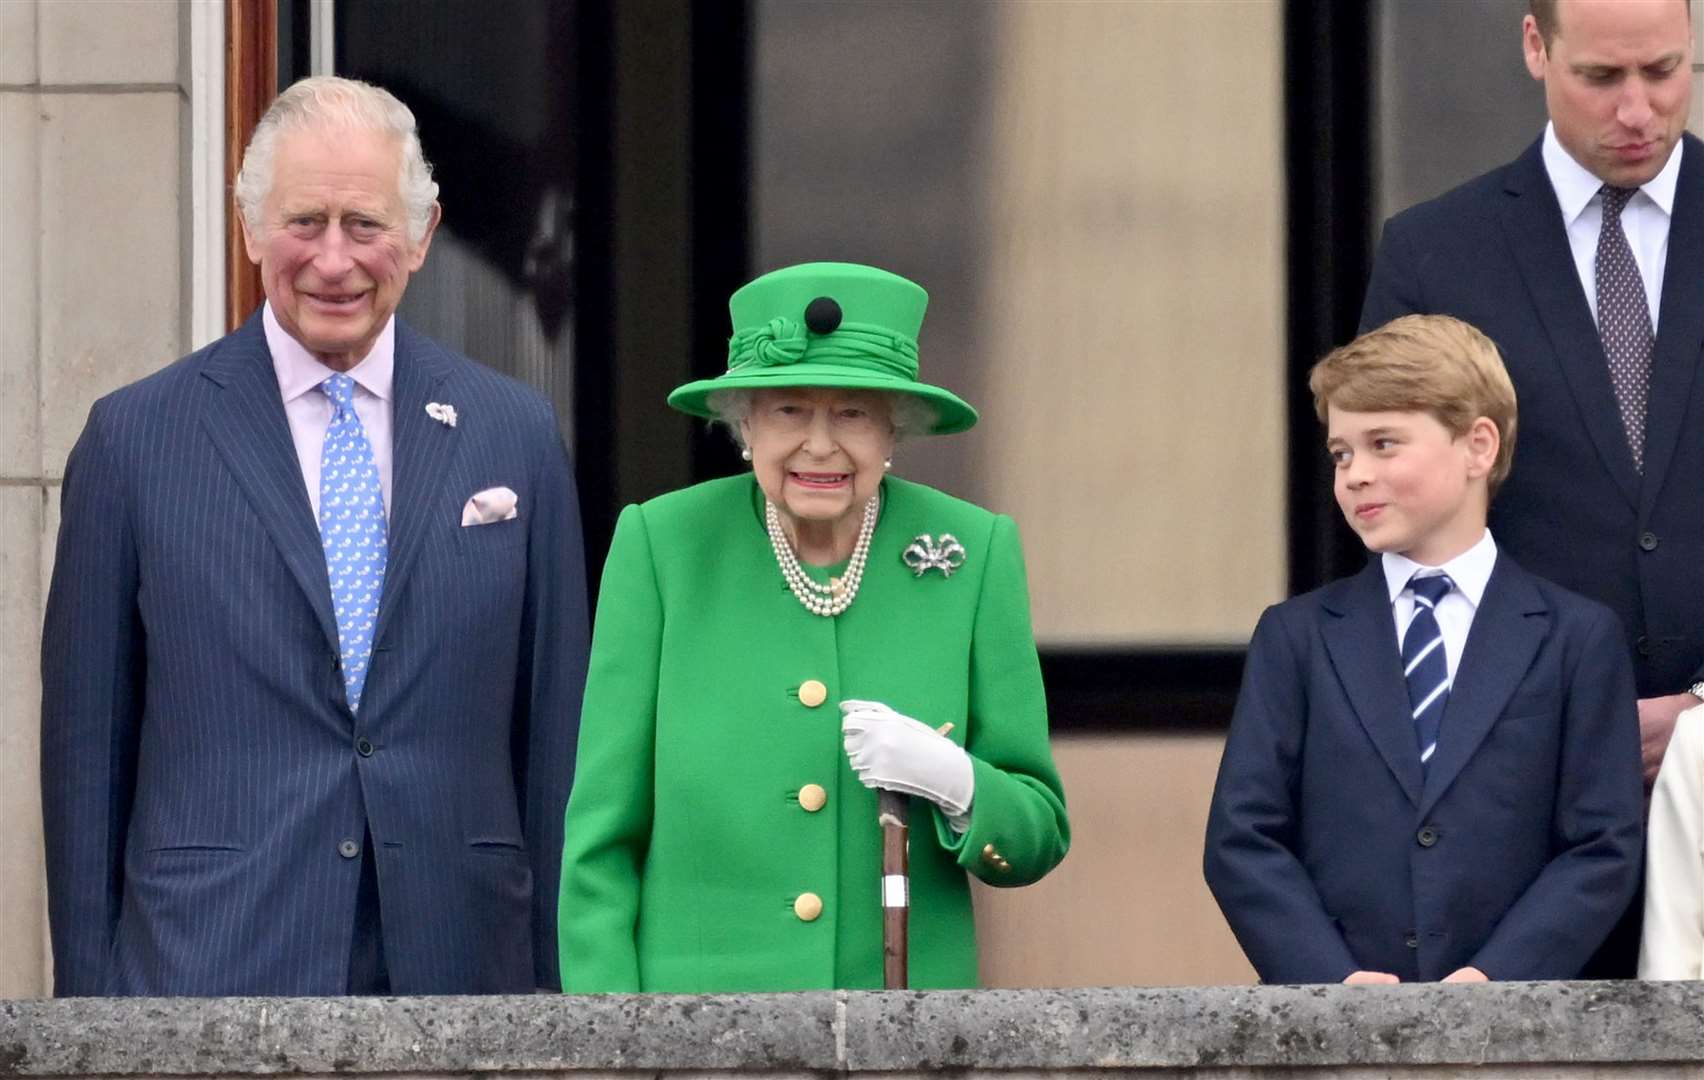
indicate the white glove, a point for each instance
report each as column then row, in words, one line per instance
column 896, row 753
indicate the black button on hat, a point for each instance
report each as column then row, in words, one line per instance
column 823, row 315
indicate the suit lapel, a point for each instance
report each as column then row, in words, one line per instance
column 1680, row 322
column 1360, row 637
column 251, row 433
column 1532, row 221
column 1508, row 628
column 421, row 451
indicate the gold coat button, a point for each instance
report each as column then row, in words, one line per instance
column 991, row 856
column 812, row 798
column 812, row 693
column 807, row 907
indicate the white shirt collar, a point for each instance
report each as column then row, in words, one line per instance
column 299, row 371
column 1471, row 570
column 1576, row 187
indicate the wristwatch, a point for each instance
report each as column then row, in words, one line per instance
column 1696, row 690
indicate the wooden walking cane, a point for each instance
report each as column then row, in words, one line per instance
column 893, row 810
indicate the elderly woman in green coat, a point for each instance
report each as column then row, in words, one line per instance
column 771, row 648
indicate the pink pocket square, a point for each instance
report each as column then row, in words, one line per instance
column 492, row 504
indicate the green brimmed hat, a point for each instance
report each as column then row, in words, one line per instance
column 827, row 324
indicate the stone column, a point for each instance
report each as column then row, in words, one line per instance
column 93, row 104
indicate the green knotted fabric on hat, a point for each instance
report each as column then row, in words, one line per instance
column 827, row 324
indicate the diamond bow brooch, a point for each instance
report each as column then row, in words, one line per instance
column 924, row 554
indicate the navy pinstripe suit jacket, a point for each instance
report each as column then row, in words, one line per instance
column 199, row 762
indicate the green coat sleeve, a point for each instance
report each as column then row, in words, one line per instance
column 608, row 824
column 1018, row 810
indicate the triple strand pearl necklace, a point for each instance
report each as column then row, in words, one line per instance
column 825, row 600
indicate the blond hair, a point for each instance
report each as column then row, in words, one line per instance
column 1433, row 364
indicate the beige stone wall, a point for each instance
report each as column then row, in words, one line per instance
column 1128, row 906
column 92, row 101
column 1134, row 297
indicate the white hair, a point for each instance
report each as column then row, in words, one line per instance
column 909, row 414
column 330, row 102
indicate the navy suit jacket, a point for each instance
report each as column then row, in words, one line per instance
column 200, row 771
column 1494, row 253
column 1331, row 850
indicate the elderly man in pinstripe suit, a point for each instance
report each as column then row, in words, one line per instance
column 316, row 638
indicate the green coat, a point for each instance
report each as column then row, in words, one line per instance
column 687, row 844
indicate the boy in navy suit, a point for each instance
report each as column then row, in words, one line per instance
column 1433, row 768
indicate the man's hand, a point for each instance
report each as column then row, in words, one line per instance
column 1467, row 975
column 1371, row 978
column 1656, row 726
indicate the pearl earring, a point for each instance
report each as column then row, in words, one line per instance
column 888, row 464
column 746, row 454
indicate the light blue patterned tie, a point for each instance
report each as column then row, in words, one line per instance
column 352, row 528
column 1423, row 662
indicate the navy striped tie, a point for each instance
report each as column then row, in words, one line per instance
column 1423, row 661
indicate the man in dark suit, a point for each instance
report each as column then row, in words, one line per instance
column 1432, row 772
column 1583, row 260
column 316, row 637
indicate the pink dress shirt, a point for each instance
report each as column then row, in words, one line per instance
column 309, row 411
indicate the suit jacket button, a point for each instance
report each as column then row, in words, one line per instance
column 363, row 747
column 807, row 907
column 1643, row 645
column 1411, row 939
column 812, row 798
column 1427, row 836
column 348, row 849
column 812, row 693
column 1649, row 541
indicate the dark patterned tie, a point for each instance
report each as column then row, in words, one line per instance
column 1624, row 321
column 1424, row 663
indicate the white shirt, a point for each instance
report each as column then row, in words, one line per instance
column 309, row 411
column 1645, row 219
column 1470, row 571
column 1673, row 942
